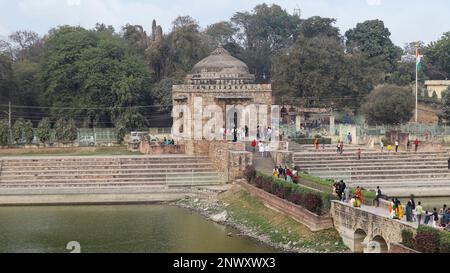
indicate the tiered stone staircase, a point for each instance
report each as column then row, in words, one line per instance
column 161, row 172
column 424, row 173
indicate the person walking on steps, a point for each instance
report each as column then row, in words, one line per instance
column 416, row 145
column 396, row 146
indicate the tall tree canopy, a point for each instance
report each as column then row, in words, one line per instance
column 373, row 38
column 91, row 74
column 438, row 55
column 319, row 72
column 263, row 32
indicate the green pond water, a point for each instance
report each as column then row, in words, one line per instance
column 127, row 228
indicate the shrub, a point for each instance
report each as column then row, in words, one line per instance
column 427, row 240
column 407, row 238
column 295, row 198
column 250, row 173
column 4, row 132
column 444, row 244
column 312, row 202
column 259, row 182
column 267, row 184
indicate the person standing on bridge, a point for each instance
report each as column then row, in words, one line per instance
column 419, row 212
column 358, row 196
column 378, row 196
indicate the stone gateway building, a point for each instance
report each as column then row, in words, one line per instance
column 220, row 80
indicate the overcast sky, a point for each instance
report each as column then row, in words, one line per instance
column 408, row 20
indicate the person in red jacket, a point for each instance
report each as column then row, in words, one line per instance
column 416, row 144
column 254, row 145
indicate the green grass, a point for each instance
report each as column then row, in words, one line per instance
column 100, row 151
column 279, row 228
column 326, row 185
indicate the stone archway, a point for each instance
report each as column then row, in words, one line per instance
column 377, row 245
column 358, row 240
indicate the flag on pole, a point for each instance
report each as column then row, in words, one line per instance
column 418, row 60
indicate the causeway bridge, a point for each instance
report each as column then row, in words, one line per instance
column 367, row 229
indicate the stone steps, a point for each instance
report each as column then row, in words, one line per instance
column 66, row 176
column 112, row 171
column 94, row 166
column 101, row 172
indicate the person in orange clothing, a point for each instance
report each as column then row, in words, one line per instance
column 358, row 195
column 316, row 143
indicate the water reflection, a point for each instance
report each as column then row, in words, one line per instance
column 131, row 228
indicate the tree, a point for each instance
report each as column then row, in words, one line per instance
column 445, row 112
column 262, row 33
column 4, row 132
column 44, row 130
column 437, row 55
column 26, row 45
column 88, row 73
column 373, row 38
column 221, row 33
column 389, row 104
column 162, row 93
column 136, row 37
column 59, row 130
column 18, row 130
column 319, row 26
column 70, row 131
column 28, row 133
column 319, row 72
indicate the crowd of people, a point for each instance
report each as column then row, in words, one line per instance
column 416, row 144
column 242, row 134
column 285, row 173
column 415, row 213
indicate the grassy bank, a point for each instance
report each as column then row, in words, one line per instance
column 75, row 151
column 327, row 185
column 248, row 211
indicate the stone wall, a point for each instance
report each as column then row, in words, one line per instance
column 313, row 221
column 399, row 248
column 158, row 149
column 230, row 158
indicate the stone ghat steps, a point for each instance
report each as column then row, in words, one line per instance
column 404, row 183
column 352, row 163
column 369, row 156
column 112, row 171
column 11, row 168
column 392, row 176
column 149, row 179
column 368, row 165
column 65, row 176
column 119, row 183
column 382, row 170
column 94, row 161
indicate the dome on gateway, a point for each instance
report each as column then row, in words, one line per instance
column 220, row 60
column 220, row 68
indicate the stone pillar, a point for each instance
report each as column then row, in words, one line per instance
column 332, row 128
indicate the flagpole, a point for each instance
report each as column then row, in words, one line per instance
column 417, row 83
column 417, row 89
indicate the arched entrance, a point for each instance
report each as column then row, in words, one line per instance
column 377, row 245
column 358, row 241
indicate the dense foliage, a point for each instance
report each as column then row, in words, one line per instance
column 101, row 77
column 314, row 201
column 389, row 104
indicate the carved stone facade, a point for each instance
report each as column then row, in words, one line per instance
column 221, row 80
column 225, row 82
